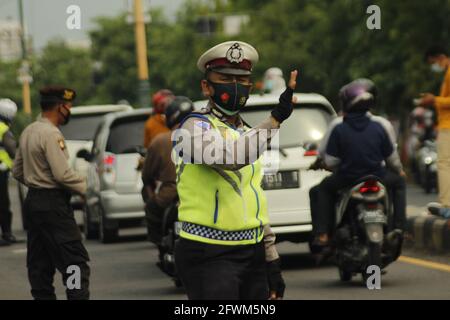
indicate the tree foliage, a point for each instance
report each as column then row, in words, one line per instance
column 327, row 40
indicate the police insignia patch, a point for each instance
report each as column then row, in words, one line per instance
column 61, row 144
column 235, row 54
column 203, row 124
column 68, row 94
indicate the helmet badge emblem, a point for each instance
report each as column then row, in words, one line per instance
column 235, row 54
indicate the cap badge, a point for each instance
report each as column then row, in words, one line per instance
column 235, row 54
column 68, row 95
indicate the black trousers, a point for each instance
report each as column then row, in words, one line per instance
column 323, row 199
column 5, row 212
column 219, row 272
column 54, row 242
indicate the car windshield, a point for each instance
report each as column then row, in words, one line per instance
column 126, row 135
column 82, row 127
column 308, row 123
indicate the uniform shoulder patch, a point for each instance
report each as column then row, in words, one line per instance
column 203, row 125
column 62, row 144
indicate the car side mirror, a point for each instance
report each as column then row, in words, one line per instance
column 310, row 146
column 142, row 151
column 84, row 154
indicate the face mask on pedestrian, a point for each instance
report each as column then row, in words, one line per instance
column 230, row 98
column 437, row 68
column 66, row 115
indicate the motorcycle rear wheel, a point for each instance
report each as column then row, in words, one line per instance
column 374, row 259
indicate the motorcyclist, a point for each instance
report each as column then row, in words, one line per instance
column 158, row 174
column 8, row 110
column 422, row 128
column 273, row 81
column 356, row 145
column 156, row 122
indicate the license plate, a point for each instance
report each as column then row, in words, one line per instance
column 281, row 180
column 374, row 217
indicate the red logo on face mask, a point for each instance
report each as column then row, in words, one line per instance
column 225, row 97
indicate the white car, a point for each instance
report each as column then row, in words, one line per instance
column 80, row 131
column 114, row 184
column 79, row 134
column 287, row 189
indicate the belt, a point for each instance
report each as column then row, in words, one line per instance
column 216, row 234
column 54, row 192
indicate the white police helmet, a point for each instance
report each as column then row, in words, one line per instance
column 8, row 109
column 273, row 81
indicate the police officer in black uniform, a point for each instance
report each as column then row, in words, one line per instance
column 54, row 239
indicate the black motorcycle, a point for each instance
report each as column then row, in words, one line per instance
column 170, row 233
column 426, row 166
column 363, row 237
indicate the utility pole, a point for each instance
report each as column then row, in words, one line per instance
column 141, row 54
column 24, row 72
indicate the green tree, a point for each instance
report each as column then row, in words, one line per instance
column 113, row 51
column 330, row 43
column 173, row 50
column 60, row 64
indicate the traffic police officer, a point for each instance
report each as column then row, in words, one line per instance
column 221, row 252
column 8, row 110
column 54, row 240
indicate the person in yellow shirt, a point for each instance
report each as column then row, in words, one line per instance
column 439, row 60
column 156, row 124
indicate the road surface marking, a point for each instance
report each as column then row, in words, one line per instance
column 19, row 251
column 425, row 263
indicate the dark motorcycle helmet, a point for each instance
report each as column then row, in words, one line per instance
column 358, row 96
column 177, row 110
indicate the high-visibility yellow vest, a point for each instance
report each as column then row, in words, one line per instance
column 221, row 206
column 4, row 156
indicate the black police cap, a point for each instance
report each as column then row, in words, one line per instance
column 57, row 94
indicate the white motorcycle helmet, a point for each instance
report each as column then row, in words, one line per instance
column 8, row 110
column 273, row 81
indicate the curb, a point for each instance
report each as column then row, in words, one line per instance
column 429, row 232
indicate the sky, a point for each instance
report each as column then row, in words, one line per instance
column 46, row 19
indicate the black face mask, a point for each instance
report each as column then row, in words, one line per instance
column 65, row 116
column 230, row 98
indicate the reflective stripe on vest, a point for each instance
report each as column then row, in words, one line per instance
column 220, row 206
column 4, row 156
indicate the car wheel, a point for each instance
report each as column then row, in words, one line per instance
column 428, row 183
column 177, row 282
column 106, row 235
column 90, row 229
column 374, row 259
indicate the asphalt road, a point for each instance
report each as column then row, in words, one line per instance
column 127, row 270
